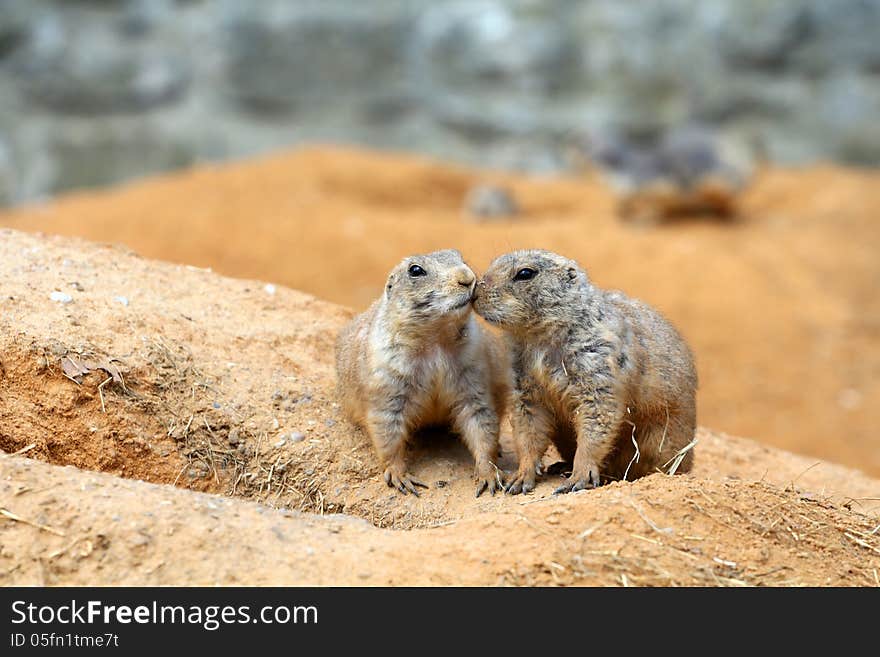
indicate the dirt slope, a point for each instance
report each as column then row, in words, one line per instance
column 781, row 306
column 225, row 386
column 75, row 527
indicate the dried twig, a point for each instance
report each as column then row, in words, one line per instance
column 679, row 457
column 6, row 513
column 665, row 427
column 858, row 541
column 635, row 458
column 101, row 392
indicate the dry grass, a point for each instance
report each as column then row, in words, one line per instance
column 770, row 536
column 226, row 442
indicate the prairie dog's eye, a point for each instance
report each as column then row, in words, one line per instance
column 415, row 270
column 525, row 274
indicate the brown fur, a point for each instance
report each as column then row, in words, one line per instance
column 418, row 357
column 593, row 372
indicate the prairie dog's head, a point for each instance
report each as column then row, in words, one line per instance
column 525, row 290
column 430, row 288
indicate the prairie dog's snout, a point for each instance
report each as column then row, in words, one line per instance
column 462, row 280
column 464, row 276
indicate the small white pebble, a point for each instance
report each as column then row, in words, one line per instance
column 61, row 297
column 849, row 399
column 281, row 442
column 122, row 300
column 269, row 288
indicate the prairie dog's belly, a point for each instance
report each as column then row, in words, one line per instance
column 548, row 370
column 434, row 390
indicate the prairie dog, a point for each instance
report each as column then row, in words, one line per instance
column 595, row 372
column 687, row 170
column 418, row 357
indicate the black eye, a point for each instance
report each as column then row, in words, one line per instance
column 525, row 274
column 415, row 270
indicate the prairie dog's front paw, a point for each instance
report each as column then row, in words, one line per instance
column 397, row 477
column 488, row 478
column 582, row 477
column 523, row 481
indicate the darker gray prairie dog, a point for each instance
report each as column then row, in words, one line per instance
column 418, row 357
column 594, row 372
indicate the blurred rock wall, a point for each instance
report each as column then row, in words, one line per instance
column 93, row 92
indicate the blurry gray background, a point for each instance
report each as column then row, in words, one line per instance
column 93, row 92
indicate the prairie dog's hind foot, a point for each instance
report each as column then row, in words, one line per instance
column 397, row 477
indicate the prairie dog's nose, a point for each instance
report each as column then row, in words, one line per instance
column 465, row 277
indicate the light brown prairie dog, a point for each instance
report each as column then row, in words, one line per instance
column 418, row 357
column 595, row 372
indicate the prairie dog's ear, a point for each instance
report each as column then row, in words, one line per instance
column 389, row 284
column 575, row 274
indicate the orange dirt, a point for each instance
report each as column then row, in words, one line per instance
column 217, row 375
column 780, row 306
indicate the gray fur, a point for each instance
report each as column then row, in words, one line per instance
column 593, row 371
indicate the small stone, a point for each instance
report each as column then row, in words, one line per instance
column 849, row 399
column 281, row 442
column 490, row 202
column 122, row 300
column 216, row 405
column 269, row 289
column 61, row 297
column 329, row 422
column 296, row 437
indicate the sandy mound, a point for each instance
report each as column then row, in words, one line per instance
column 780, row 306
column 74, row 527
column 225, row 386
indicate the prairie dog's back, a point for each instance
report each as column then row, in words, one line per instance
column 664, row 357
column 351, row 359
